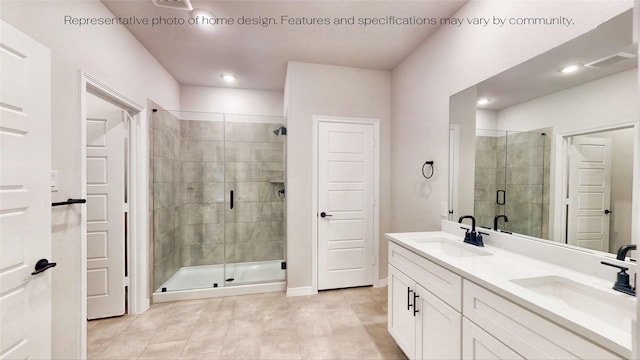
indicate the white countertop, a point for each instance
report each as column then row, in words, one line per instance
column 495, row 272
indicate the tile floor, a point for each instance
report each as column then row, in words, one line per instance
column 336, row 324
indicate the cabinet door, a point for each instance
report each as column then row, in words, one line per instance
column 438, row 328
column 478, row 344
column 401, row 319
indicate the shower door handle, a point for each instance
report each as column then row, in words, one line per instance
column 231, row 199
column 504, row 197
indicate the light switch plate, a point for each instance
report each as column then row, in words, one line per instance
column 444, row 209
column 54, row 180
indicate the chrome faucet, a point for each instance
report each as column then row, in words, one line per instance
column 472, row 237
column 495, row 221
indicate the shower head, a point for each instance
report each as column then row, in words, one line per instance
column 280, row 131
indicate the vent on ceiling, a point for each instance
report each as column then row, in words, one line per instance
column 610, row 60
column 174, row 4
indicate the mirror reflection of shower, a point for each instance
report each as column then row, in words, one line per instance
column 280, row 131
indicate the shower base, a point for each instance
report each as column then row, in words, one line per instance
column 196, row 282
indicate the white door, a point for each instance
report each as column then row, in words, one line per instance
column 589, row 193
column 25, row 196
column 345, row 205
column 106, row 184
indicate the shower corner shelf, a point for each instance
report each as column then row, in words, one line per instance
column 276, row 181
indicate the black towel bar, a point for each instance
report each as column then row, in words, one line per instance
column 69, row 202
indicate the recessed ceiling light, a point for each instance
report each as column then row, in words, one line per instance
column 483, row 101
column 205, row 19
column 228, row 78
column 570, row 68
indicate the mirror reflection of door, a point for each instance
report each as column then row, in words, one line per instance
column 599, row 188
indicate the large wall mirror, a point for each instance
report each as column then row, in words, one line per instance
column 547, row 151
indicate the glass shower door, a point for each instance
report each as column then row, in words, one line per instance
column 254, row 199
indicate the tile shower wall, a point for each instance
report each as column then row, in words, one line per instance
column 254, row 166
column 518, row 163
column 524, row 183
column 487, row 181
column 252, row 160
column 193, row 222
column 164, row 180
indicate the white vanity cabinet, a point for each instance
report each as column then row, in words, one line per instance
column 513, row 327
column 436, row 313
column 421, row 319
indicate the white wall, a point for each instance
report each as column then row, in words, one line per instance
column 453, row 59
column 596, row 103
column 231, row 101
column 113, row 55
column 487, row 119
column 313, row 89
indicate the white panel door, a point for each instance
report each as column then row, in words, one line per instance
column 345, row 197
column 25, row 196
column 106, row 184
column 589, row 193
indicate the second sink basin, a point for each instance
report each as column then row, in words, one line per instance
column 451, row 248
column 614, row 309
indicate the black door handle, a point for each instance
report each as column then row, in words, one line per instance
column 231, row 198
column 607, row 211
column 43, row 265
column 324, row 214
column 415, row 305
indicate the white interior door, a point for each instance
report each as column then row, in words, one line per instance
column 345, row 197
column 106, row 207
column 589, row 193
column 25, row 196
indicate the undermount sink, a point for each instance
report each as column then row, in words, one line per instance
column 451, row 248
column 616, row 310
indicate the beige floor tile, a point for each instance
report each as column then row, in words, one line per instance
column 337, row 324
column 176, row 329
column 126, row 346
column 319, row 348
column 370, row 312
column 248, row 348
column 168, row 350
column 200, row 346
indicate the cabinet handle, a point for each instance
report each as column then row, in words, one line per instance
column 415, row 307
column 409, row 291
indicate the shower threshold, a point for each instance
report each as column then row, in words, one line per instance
column 194, row 282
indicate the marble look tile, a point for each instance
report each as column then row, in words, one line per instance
column 167, row 350
column 336, row 324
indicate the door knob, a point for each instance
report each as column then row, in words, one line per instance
column 607, row 211
column 324, row 214
column 43, row 265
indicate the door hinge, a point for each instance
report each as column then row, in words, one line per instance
column 126, row 281
column 125, row 207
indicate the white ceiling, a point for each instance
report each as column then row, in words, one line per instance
column 540, row 76
column 197, row 55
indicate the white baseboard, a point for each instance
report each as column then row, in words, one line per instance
column 300, row 291
column 381, row 283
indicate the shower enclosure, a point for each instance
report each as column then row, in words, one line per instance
column 217, row 185
column 512, row 179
